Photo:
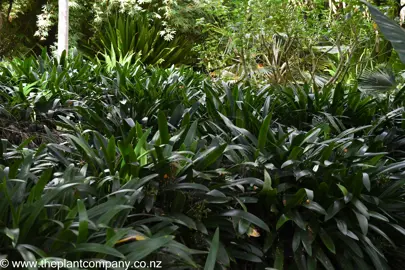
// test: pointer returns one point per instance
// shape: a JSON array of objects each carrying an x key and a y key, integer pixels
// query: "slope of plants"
[
  {"x": 125, "y": 162},
  {"x": 112, "y": 159}
]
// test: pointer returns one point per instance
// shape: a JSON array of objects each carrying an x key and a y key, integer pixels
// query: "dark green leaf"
[
  {"x": 314, "y": 206},
  {"x": 283, "y": 219},
  {"x": 247, "y": 216},
  {"x": 97, "y": 248},
  {"x": 390, "y": 29},
  {"x": 263, "y": 133},
  {"x": 320, "y": 255},
  {"x": 163, "y": 128},
  {"x": 327, "y": 240},
  {"x": 141, "y": 249},
  {"x": 363, "y": 222},
  {"x": 209, "y": 157},
  {"x": 212, "y": 255},
  {"x": 279, "y": 260},
  {"x": 334, "y": 209},
  {"x": 366, "y": 181}
]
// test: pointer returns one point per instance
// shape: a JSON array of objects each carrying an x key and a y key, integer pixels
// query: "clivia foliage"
[
  {"x": 121, "y": 161},
  {"x": 133, "y": 163}
]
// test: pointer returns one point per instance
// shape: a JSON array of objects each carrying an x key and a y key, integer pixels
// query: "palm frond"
[{"x": 377, "y": 81}]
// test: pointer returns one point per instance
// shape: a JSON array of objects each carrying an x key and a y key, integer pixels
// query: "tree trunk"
[
  {"x": 402, "y": 12},
  {"x": 63, "y": 27}
]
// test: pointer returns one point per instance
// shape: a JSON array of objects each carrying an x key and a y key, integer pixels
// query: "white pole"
[{"x": 63, "y": 26}]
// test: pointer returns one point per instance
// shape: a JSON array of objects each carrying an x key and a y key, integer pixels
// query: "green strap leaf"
[
  {"x": 83, "y": 222},
  {"x": 279, "y": 260},
  {"x": 320, "y": 255},
  {"x": 141, "y": 249},
  {"x": 263, "y": 133},
  {"x": 212, "y": 255},
  {"x": 363, "y": 222},
  {"x": 366, "y": 181},
  {"x": 316, "y": 207},
  {"x": 97, "y": 248},
  {"x": 209, "y": 157},
  {"x": 283, "y": 219},
  {"x": 327, "y": 240},
  {"x": 190, "y": 134},
  {"x": 334, "y": 209},
  {"x": 163, "y": 128},
  {"x": 248, "y": 216}
]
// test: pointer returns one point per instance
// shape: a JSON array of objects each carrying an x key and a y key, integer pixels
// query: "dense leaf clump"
[
  {"x": 295, "y": 161},
  {"x": 125, "y": 162}
]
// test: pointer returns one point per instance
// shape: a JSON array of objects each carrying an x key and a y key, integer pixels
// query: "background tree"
[{"x": 63, "y": 27}]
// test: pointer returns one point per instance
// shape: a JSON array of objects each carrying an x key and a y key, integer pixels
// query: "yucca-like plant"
[{"x": 139, "y": 36}]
